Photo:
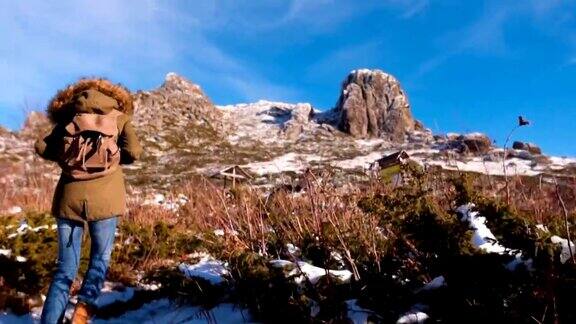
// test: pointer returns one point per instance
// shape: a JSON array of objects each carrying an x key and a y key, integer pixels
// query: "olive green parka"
[{"x": 101, "y": 198}]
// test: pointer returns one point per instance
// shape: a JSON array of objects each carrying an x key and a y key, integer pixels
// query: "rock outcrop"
[
  {"x": 473, "y": 143},
  {"x": 529, "y": 147},
  {"x": 372, "y": 104},
  {"x": 300, "y": 116},
  {"x": 177, "y": 102}
]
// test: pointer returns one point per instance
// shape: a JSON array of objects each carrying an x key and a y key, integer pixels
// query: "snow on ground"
[
  {"x": 362, "y": 161},
  {"x": 565, "y": 255},
  {"x": 415, "y": 315},
  {"x": 171, "y": 204},
  {"x": 559, "y": 163},
  {"x": 514, "y": 166},
  {"x": 303, "y": 271},
  {"x": 258, "y": 120},
  {"x": 435, "y": 283},
  {"x": 158, "y": 311},
  {"x": 357, "y": 314},
  {"x": 207, "y": 268},
  {"x": 24, "y": 227},
  {"x": 112, "y": 293},
  {"x": 284, "y": 163},
  {"x": 368, "y": 143},
  {"x": 163, "y": 311},
  {"x": 484, "y": 240}
]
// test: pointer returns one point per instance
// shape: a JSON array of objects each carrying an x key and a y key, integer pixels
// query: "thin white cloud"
[
  {"x": 46, "y": 44},
  {"x": 487, "y": 35},
  {"x": 311, "y": 17}
]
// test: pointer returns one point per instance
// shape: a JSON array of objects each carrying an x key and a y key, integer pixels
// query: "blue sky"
[{"x": 466, "y": 65}]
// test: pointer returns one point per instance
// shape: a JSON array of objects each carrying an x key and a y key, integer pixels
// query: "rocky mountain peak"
[
  {"x": 178, "y": 101},
  {"x": 36, "y": 123},
  {"x": 176, "y": 83},
  {"x": 373, "y": 104}
]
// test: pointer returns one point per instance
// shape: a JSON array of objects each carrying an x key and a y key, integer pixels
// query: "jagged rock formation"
[{"x": 372, "y": 104}]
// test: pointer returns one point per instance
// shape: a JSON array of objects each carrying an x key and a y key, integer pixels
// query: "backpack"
[{"x": 90, "y": 148}]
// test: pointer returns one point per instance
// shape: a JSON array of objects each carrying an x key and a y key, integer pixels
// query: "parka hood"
[{"x": 62, "y": 107}]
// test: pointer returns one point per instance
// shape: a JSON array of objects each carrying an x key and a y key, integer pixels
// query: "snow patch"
[
  {"x": 112, "y": 293},
  {"x": 362, "y": 161},
  {"x": 302, "y": 271},
  {"x": 415, "y": 315},
  {"x": 292, "y": 249},
  {"x": 171, "y": 204},
  {"x": 164, "y": 311},
  {"x": 435, "y": 283},
  {"x": 207, "y": 268},
  {"x": 288, "y": 162},
  {"x": 357, "y": 314},
  {"x": 511, "y": 167},
  {"x": 484, "y": 240},
  {"x": 565, "y": 253}
]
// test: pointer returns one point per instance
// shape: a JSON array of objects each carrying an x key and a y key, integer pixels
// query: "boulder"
[
  {"x": 477, "y": 143},
  {"x": 530, "y": 147},
  {"x": 372, "y": 104},
  {"x": 474, "y": 143}
]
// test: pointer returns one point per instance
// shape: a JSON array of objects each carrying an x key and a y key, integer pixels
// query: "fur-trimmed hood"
[{"x": 60, "y": 108}]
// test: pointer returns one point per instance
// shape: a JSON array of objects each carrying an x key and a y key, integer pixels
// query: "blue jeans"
[{"x": 69, "y": 250}]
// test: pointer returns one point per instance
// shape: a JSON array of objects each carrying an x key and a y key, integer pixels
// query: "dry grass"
[
  {"x": 377, "y": 229},
  {"x": 29, "y": 185}
]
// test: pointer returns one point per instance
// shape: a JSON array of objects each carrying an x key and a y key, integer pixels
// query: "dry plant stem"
[
  {"x": 566, "y": 224},
  {"x": 346, "y": 250},
  {"x": 504, "y": 162}
]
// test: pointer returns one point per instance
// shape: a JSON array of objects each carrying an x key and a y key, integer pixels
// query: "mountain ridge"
[{"x": 185, "y": 133}]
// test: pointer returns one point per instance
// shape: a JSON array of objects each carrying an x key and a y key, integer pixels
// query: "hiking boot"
[{"x": 82, "y": 314}]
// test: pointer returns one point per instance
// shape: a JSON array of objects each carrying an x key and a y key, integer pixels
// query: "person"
[{"x": 92, "y": 136}]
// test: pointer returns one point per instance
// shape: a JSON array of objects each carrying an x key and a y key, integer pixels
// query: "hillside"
[
  {"x": 185, "y": 133},
  {"x": 463, "y": 230}
]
